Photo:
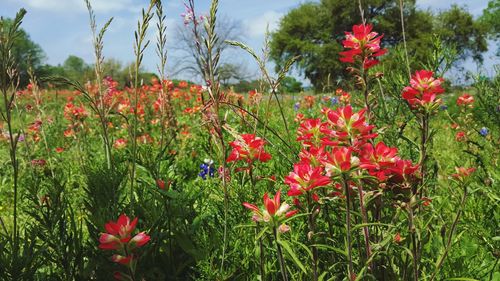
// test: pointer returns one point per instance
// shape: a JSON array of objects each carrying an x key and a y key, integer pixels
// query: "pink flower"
[
  {"x": 249, "y": 148},
  {"x": 463, "y": 173},
  {"x": 465, "y": 100},
  {"x": 349, "y": 126},
  {"x": 274, "y": 210},
  {"x": 363, "y": 45},
  {"x": 423, "y": 90},
  {"x": 340, "y": 160},
  {"x": 304, "y": 178}
]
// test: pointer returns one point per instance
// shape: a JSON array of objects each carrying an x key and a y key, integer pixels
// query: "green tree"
[
  {"x": 490, "y": 17},
  {"x": 76, "y": 69},
  {"x": 26, "y": 52},
  {"x": 315, "y": 32},
  {"x": 291, "y": 85}
]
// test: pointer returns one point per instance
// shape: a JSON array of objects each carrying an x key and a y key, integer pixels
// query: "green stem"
[
  {"x": 280, "y": 256},
  {"x": 450, "y": 236},
  {"x": 350, "y": 268},
  {"x": 312, "y": 227},
  {"x": 364, "y": 218}
]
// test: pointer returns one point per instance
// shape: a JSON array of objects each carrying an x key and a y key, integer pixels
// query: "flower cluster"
[
  {"x": 273, "y": 212},
  {"x": 207, "y": 168},
  {"x": 423, "y": 91},
  {"x": 340, "y": 147},
  {"x": 363, "y": 45},
  {"x": 248, "y": 148},
  {"x": 465, "y": 100},
  {"x": 118, "y": 237}
]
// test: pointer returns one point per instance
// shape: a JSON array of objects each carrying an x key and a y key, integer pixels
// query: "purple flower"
[
  {"x": 484, "y": 131},
  {"x": 207, "y": 168},
  {"x": 296, "y": 106},
  {"x": 333, "y": 101}
]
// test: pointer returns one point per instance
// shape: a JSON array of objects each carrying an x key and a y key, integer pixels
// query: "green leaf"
[{"x": 292, "y": 254}]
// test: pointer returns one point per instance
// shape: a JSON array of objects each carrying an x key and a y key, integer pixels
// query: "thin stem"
[
  {"x": 364, "y": 217},
  {"x": 404, "y": 37},
  {"x": 450, "y": 236},
  {"x": 280, "y": 256},
  {"x": 257, "y": 229},
  {"x": 424, "y": 132},
  {"x": 412, "y": 230},
  {"x": 350, "y": 268},
  {"x": 312, "y": 233}
]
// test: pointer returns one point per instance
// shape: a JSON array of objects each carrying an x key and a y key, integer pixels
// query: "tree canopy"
[
  {"x": 26, "y": 52},
  {"x": 315, "y": 32}
]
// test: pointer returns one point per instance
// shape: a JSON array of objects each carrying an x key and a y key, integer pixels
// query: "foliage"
[
  {"x": 313, "y": 31},
  {"x": 392, "y": 177}
]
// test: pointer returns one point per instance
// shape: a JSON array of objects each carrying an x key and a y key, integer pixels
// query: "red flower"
[
  {"x": 340, "y": 160},
  {"x": 465, "y": 100},
  {"x": 249, "y": 149},
  {"x": 160, "y": 184},
  {"x": 397, "y": 238},
  {"x": 121, "y": 259},
  {"x": 460, "y": 136},
  {"x": 304, "y": 178},
  {"x": 313, "y": 156},
  {"x": 378, "y": 159},
  {"x": 363, "y": 45},
  {"x": 403, "y": 170},
  {"x": 274, "y": 209},
  {"x": 349, "y": 126},
  {"x": 120, "y": 143},
  {"x": 423, "y": 89},
  {"x": 310, "y": 132},
  {"x": 463, "y": 173},
  {"x": 119, "y": 233}
]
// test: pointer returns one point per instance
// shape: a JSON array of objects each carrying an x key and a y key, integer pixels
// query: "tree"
[
  {"x": 490, "y": 17},
  {"x": 315, "y": 32},
  {"x": 458, "y": 28},
  {"x": 189, "y": 61},
  {"x": 76, "y": 69},
  {"x": 291, "y": 85},
  {"x": 26, "y": 52}
]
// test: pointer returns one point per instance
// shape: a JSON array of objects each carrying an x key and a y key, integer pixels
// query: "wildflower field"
[{"x": 393, "y": 173}]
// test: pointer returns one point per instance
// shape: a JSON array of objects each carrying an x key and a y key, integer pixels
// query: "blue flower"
[
  {"x": 207, "y": 168},
  {"x": 296, "y": 106},
  {"x": 333, "y": 101},
  {"x": 484, "y": 131},
  {"x": 443, "y": 107}
]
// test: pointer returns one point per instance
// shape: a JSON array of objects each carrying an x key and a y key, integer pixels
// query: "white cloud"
[
  {"x": 256, "y": 27},
  {"x": 69, "y": 6}
]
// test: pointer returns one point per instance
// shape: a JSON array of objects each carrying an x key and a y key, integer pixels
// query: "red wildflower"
[
  {"x": 423, "y": 89},
  {"x": 249, "y": 148},
  {"x": 160, "y": 184},
  {"x": 460, "y": 136},
  {"x": 304, "y": 178},
  {"x": 403, "y": 170},
  {"x": 378, "y": 159},
  {"x": 463, "y": 173},
  {"x": 310, "y": 132},
  {"x": 274, "y": 209},
  {"x": 465, "y": 100},
  {"x": 120, "y": 143},
  {"x": 119, "y": 233},
  {"x": 363, "y": 45},
  {"x": 121, "y": 259},
  {"x": 340, "y": 160},
  {"x": 349, "y": 126},
  {"x": 313, "y": 156}
]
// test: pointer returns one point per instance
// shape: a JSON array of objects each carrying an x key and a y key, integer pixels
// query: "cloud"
[
  {"x": 256, "y": 27},
  {"x": 69, "y": 6}
]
